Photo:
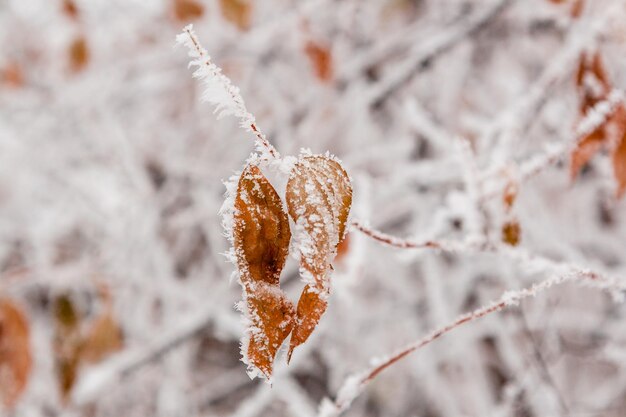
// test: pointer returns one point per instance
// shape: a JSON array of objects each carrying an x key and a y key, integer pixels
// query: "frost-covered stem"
[
  {"x": 392, "y": 240},
  {"x": 354, "y": 385},
  {"x": 531, "y": 261},
  {"x": 221, "y": 92}
]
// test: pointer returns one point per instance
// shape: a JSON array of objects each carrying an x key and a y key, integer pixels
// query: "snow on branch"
[
  {"x": 219, "y": 91},
  {"x": 354, "y": 385}
]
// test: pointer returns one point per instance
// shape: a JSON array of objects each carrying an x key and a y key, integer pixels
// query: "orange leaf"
[
  {"x": 237, "y": 12},
  {"x": 15, "y": 353},
  {"x": 586, "y": 149},
  {"x": 511, "y": 233},
  {"x": 321, "y": 60},
  {"x": 186, "y": 10},
  {"x": 70, "y": 9},
  {"x": 67, "y": 344},
  {"x": 319, "y": 197},
  {"x": 261, "y": 238},
  {"x": 577, "y": 8},
  {"x": 104, "y": 337},
  {"x": 78, "y": 54},
  {"x": 12, "y": 75}
]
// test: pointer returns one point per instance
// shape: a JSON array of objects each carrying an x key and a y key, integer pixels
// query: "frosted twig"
[
  {"x": 533, "y": 262},
  {"x": 220, "y": 91},
  {"x": 355, "y": 384}
]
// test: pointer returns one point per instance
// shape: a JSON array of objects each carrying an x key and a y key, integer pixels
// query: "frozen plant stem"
[
  {"x": 220, "y": 91},
  {"x": 354, "y": 385}
]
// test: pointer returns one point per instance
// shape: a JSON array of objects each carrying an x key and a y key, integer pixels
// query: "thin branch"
[
  {"x": 220, "y": 91},
  {"x": 354, "y": 385}
]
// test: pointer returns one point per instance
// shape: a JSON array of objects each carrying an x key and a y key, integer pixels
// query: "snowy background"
[{"x": 111, "y": 174}]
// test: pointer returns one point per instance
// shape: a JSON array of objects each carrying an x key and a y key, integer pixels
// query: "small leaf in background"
[
  {"x": 592, "y": 80},
  {"x": 585, "y": 150},
  {"x": 577, "y": 8},
  {"x": 78, "y": 54},
  {"x": 70, "y": 9},
  {"x": 67, "y": 343},
  {"x": 319, "y": 197},
  {"x": 12, "y": 75},
  {"x": 511, "y": 232},
  {"x": 261, "y": 238},
  {"x": 237, "y": 12},
  {"x": 187, "y": 10},
  {"x": 15, "y": 353},
  {"x": 510, "y": 194},
  {"x": 321, "y": 60},
  {"x": 103, "y": 338}
]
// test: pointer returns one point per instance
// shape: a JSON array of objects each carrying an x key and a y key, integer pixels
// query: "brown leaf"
[
  {"x": 591, "y": 67},
  {"x": 510, "y": 194},
  {"x": 12, "y": 75},
  {"x": 78, "y": 54},
  {"x": 70, "y": 9},
  {"x": 261, "y": 238},
  {"x": 15, "y": 353},
  {"x": 321, "y": 59},
  {"x": 237, "y": 12},
  {"x": 511, "y": 233},
  {"x": 186, "y": 10},
  {"x": 103, "y": 338},
  {"x": 67, "y": 343},
  {"x": 585, "y": 150},
  {"x": 577, "y": 8},
  {"x": 319, "y": 197}
]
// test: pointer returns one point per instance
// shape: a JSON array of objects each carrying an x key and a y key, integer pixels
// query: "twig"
[
  {"x": 354, "y": 385},
  {"x": 220, "y": 91}
]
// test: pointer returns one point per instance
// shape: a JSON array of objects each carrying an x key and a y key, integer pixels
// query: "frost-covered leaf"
[
  {"x": 15, "y": 353},
  {"x": 261, "y": 238},
  {"x": 319, "y": 196}
]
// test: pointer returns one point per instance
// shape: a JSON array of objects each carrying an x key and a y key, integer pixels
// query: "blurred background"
[{"x": 116, "y": 299}]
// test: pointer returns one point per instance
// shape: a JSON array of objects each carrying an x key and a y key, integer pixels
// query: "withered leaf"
[
  {"x": 78, "y": 54},
  {"x": 261, "y": 238},
  {"x": 511, "y": 232},
  {"x": 585, "y": 150},
  {"x": 67, "y": 343},
  {"x": 70, "y": 9},
  {"x": 15, "y": 352},
  {"x": 319, "y": 197},
  {"x": 186, "y": 10},
  {"x": 238, "y": 12},
  {"x": 321, "y": 59},
  {"x": 103, "y": 338}
]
